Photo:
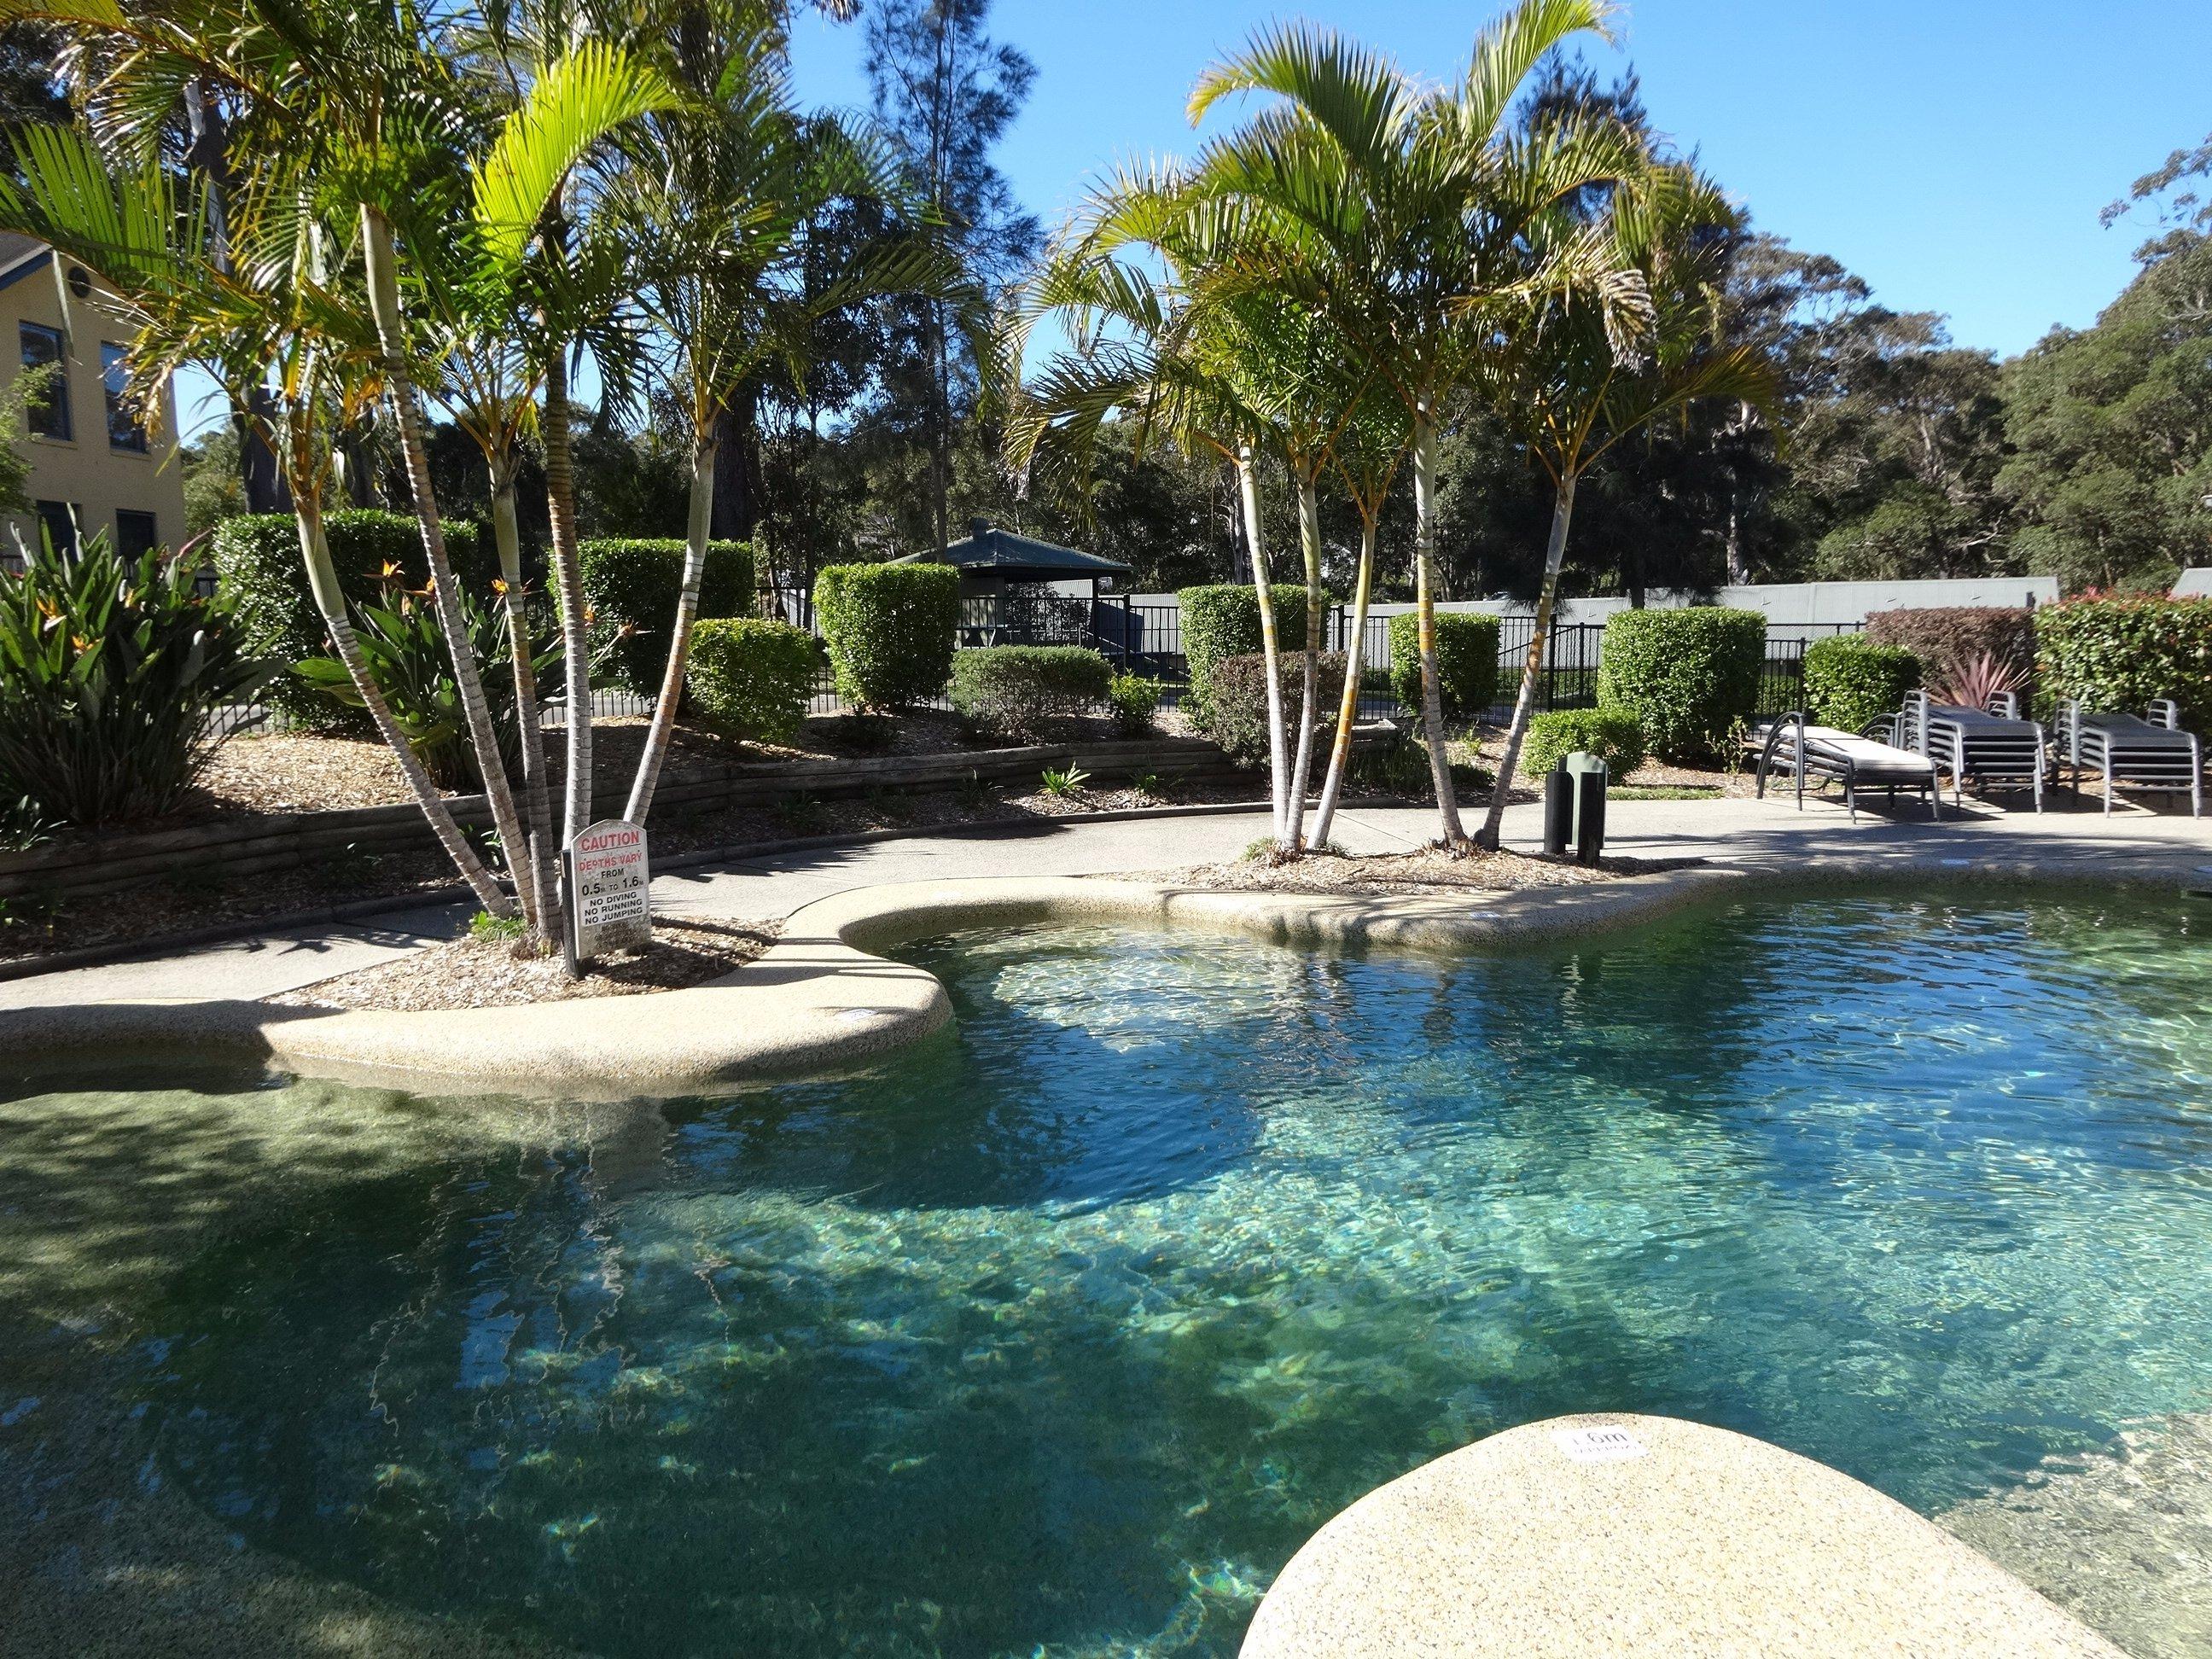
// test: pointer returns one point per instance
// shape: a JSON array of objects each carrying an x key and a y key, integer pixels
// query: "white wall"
[
  {"x": 2195, "y": 583},
  {"x": 1784, "y": 603}
]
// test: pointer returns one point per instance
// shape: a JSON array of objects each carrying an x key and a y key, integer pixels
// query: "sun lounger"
[
  {"x": 2152, "y": 754},
  {"x": 2000, "y": 750},
  {"x": 1825, "y": 754}
]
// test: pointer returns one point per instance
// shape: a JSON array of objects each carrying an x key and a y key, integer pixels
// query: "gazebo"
[{"x": 1009, "y": 593}]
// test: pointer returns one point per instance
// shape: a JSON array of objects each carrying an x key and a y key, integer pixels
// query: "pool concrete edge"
[
  {"x": 1619, "y": 1533},
  {"x": 822, "y": 998}
]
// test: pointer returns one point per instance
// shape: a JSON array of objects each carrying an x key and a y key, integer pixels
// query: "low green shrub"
[
  {"x": 630, "y": 588},
  {"x": 1613, "y": 735},
  {"x": 1850, "y": 681},
  {"x": 405, "y": 646},
  {"x": 749, "y": 679},
  {"x": 111, "y": 670},
  {"x": 1020, "y": 690},
  {"x": 1134, "y": 700},
  {"x": 891, "y": 629},
  {"x": 261, "y": 576},
  {"x": 1224, "y": 621},
  {"x": 2120, "y": 653},
  {"x": 1239, "y": 724},
  {"x": 1947, "y": 638},
  {"x": 1687, "y": 675},
  {"x": 1466, "y": 663}
]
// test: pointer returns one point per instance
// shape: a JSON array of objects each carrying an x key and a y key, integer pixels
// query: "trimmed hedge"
[
  {"x": 1946, "y": 638},
  {"x": 1240, "y": 708},
  {"x": 1020, "y": 689},
  {"x": 260, "y": 574},
  {"x": 891, "y": 629},
  {"x": 751, "y": 679},
  {"x": 1613, "y": 735},
  {"x": 630, "y": 587},
  {"x": 2121, "y": 654},
  {"x": 1687, "y": 675},
  {"x": 1467, "y": 662},
  {"x": 1850, "y": 681},
  {"x": 1222, "y": 621}
]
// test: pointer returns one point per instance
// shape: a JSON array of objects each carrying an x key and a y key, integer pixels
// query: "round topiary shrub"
[
  {"x": 1688, "y": 675},
  {"x": 1020, "y": 689},
  {"x": 630, "y": 587},
  {"x": 1240, "y": 708},
  {"x": 262, "y": 579},
  {"x": 891, "y": 629},
  {"x": 2119, "y": 655},
  {"x": 749, "y": 679},
  {"x": 1850, "y": 681},
  {"x": 1613, "y": 735},
  {"x": 1466, "y": 663},
  {"x": 1224, "y": 621}
]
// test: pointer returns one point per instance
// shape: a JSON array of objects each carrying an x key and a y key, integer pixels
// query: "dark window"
[
  {"x": 136, "y": 533},
  {"x": 124, "y": 431},
  {"x": 49, "y": 413},
  {"x": 58, "y": 520}
]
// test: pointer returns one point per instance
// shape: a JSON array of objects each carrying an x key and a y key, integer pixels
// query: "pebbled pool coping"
[
  {"x": 821, "y": 999},
  {"x": 1618, "y": 1533}
]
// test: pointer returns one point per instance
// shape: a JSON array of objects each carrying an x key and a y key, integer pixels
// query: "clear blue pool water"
[{"x": 1057, "y": 1334}]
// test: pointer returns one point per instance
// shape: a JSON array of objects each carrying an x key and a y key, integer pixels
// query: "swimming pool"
[{"x": 1058, "y": 1331}]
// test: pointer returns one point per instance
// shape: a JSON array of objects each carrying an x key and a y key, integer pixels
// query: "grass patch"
[{"x": 1663, "y": 792}]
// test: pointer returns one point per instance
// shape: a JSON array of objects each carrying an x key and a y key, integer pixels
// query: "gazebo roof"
[{"x": 987, "y": 552}]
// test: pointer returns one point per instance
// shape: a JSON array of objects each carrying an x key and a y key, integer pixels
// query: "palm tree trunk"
[
  {"x": 1524, "y": 703},
  {"x": 697, "y": 529},
  {"x": 1248, "y": 482},
  {"x": 1348, "y": 712},
  {"x": 568, "y": 587},
  {"x": 1424, "y": 552},
  {"x": 323, "y": 582},
  {"x": 1302, "y": 767},
  {"x": 381, "y": 260},
  {"x": 537, "y": 787}
]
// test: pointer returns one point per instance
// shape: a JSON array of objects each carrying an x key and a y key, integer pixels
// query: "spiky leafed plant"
[
  {"x": 1410, "y": 218},
  {"x": 1576, "y": 389}
]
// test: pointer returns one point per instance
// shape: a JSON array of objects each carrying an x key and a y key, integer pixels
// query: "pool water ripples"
[{"x": 1057, "y": 1333}]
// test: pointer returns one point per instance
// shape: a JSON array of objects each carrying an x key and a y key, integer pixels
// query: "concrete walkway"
[{"x": 773, "y": 886}]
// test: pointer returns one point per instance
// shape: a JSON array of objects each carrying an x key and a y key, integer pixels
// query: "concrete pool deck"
[{"x": 1757, "y": 834}]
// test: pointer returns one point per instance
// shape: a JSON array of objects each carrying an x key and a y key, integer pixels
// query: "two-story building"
[{"x": 95, "y": 466}]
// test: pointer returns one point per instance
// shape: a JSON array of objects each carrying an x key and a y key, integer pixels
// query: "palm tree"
[
  {"x": 1408, "y": 218},
  {"x": 268, "y": 322},
  {"x": 721, "y": 196},
  {"x": 1578, "y": 390},
  {"x": 1367, "y": 457}
]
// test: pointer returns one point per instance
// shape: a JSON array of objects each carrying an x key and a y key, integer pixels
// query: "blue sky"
[{"x": 1954, "y": 153}]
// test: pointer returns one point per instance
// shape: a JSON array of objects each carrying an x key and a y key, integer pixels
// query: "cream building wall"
[{"x": 103, "y": 480}]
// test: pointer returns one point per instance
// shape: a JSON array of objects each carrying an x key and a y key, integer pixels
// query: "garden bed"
[
  {"x": 1425, "y": 870},
  {"x": 485, "y": 970}
]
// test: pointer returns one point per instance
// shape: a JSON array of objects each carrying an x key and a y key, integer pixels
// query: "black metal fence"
[{"x": 1147, "y": 640}]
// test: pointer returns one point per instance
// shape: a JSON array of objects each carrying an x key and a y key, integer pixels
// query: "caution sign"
[{"x": 611, "y": 904}]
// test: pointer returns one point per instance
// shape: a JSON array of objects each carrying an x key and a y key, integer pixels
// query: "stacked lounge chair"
[
  {"x": 1991, "y": 749},
  {"x": 2152, "y": 753},
  {"x": 1825, "y": 754}
]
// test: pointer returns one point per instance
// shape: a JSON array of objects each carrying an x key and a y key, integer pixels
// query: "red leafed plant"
[{"x": 1976, "y": 683}]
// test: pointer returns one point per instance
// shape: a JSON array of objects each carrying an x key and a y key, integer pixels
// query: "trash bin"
[{"x": 1586, "y": 775}]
